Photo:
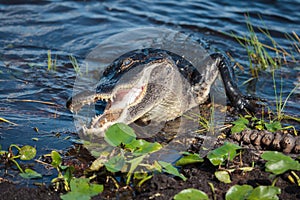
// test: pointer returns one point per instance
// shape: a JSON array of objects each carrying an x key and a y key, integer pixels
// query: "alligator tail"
[
  {"x": 286, "y": 143},
  {"x": 235, "y": 96}
]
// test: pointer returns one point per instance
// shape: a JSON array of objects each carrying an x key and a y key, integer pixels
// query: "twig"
[{"x": 34, "y": 101}]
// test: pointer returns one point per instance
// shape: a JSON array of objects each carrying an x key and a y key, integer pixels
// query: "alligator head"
[{"x": 140, "y": 85}]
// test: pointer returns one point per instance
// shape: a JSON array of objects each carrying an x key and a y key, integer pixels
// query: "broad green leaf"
[
  {"x": 27, "y": 152},
  {"x": 56, "y": 159},
  {"x": 119, "y": 133},
  {"x": 278, "y": 163},
  {"x": 239, "y": 192},
  {"x": 75, "y": 196},
  {"x": 274, "y": 126},
  {"x": 189, "y": 159},
  {"x": 238, "y": 128},
  {"x": 81, "y": 188},
  {"x": 115, "y": 164},
  {"x": 219, "y": 155},
  {"x": 223, "y": 176},
  {"x": 191, "y": 194},
  {"x": 241, "y": 120},
  {"x": 239, "y": 125},
  {"x": 169, "y": 168},
  {"x": 141, "y": 147},
  {"x": 30, "y": 174},
  {"x": 265, "y": 193}
]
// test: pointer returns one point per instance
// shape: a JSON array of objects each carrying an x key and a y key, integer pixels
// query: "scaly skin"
[{"x": 154, "y": 85}]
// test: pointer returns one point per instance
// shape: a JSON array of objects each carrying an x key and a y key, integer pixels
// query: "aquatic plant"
[
  {"x": 192, "y": 194},
  {"x": 51, "y": 62},
  {"x": 280, "y": 103},
  {"x": 24, "y": 153},
  {"x": 75, "y": 65},
  {"x": 269, "y": 57},
  {"x": 82, "y": 189},
  {"x": 252, "y": 122},
  {"x": 129, "y": 154},
  {"x": 261, "y": 55},
  {"x": 65, "y": 173},
  {"x": 278, "y": 163},
  {"x": 226, "y": 152},
  {"x": 247, "y": 192}
]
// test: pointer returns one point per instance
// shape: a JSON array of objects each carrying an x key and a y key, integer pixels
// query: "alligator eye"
[{"x": 126, "y": 64}]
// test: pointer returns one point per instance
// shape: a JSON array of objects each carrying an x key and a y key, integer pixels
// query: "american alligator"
[{"x": 161, "y": 85}]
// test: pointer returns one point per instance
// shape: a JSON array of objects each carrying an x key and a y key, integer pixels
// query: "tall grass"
[
  {"x": 263, "y": 56},
  {"x": 269, "y": 57},
  {"x": 51, "y": 62},
  {"x": 75, "y": 65}
]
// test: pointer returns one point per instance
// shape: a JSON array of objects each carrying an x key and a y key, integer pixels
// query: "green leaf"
[
  {"x": 238, "y": 128},
  {"x": 156, "y": 166},
  {"x": 274, "y": 126},
  {"x": 98, "y": 163},
  {"x": 241, "y": 121},
  {"x": 239, "y": 125},
  {"x": 239, "y": 192},
  {"x": 191, "y": 194},
  {"x": 223, "y": 176},
  {"x": 278, "y": 163},
  {"x": 119, "y": 133},
  {"x": 27, "y": 152},
  {"x": 81, "y": 188},
  {"x": 69, "y": 173},
  {"x": 265, "y": 193},
  {"x": 56, "y": 159},
  {"x": 189, "y": 159},
  {"x": 30, "y": 174},
  {"x": 219, "y": 155},
  {"x": 115, "y": 164},
  {"x": 141, "y": 147},
  {"x": 169, "y": 168},
  {"x": 134, "y": 164},
  {"x": 146, "y": 178}
]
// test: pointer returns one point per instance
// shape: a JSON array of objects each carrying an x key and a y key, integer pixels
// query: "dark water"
[{"x": 29, "y": 30}]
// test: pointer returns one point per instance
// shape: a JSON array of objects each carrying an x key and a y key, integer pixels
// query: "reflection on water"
[{"x": 31, "y": 96}]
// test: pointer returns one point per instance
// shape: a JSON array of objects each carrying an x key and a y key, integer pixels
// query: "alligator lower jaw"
[{"x": 96, "y": 131}]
